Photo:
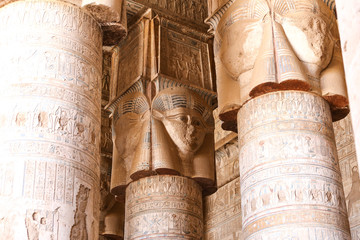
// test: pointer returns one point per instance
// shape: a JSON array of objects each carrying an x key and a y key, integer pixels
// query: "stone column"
[
  {"x": 164, "y": 207},
  {"x": 349, "y": 20},
  {"x": 51, "y": 57},
  {"x": 281, "y": 84},
  {"x": 289, "y": 173},
  {"x": 161, "y": 99}
]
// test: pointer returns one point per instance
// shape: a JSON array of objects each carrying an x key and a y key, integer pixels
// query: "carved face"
[
  {"x": 306, "y": 25},
  {"x": 133, "y": 111},
  {"x": 185, "y": 128},
  {"x": 182, "y": 112}
]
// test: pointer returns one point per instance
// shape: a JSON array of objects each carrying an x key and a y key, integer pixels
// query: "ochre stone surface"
[
  {"x": 161, "y": 101},
  {"x": 222, "y": 213},
  {"x": 227, "y": 163},
  {"x": 264, "y": 46},
  {"x": 50, "y": 126},
  {"x": 289, "y": 173},
  {"x": 172, "y": 135},
  {"x": 111, "y": 15},
  {"x": 349, "y": 172},
  {"x": 349, "y": 20},
  {"x": 164, "y": 207}
]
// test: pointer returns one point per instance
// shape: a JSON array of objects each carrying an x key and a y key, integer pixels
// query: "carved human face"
[
  {"x": 134, "y": 111},
  {"x": 307, "y": 25},
  {"x": 185, "y": 128}
]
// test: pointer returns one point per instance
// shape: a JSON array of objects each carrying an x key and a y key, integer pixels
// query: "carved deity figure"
[
  {"x": 182, "y": 132},
  {"x": 270, "y": 45},
  {"x": 354, "y": 194},
  {"x": 173, "y": 136},
  {"x": 131, "y": 138},
  {"x": 79, "y": 230}
]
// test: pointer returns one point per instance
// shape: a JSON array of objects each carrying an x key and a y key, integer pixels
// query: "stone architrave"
[
  {"x": 50, "y": 84},
  {"x": 164, "y": 207},
  {"x": 289, "y": 172},
  {"x": 264, "y": 46}
]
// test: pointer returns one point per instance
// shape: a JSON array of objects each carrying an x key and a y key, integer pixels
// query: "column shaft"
[
  {"x": 290, "y": 179},
  {"x": 163, "y": 207},
  {"x": 50, "y": 125}
]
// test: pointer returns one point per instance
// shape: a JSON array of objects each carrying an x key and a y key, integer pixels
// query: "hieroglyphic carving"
[
  {"x": 41, "y": 224},
  {"x": 349, "y": 172},
  {"x": 227, "y": 162},
  {"x": 194, "y": 11},
  {"x": 289, "y": 171},
  {"x": 158, "y": 46},
  {"x": 222, "y": 213},
  {"x": 184, "y": 57},
  {"x": 50, "y": 128},
  {"x": 258, "y": 50},
  {"x": 130, "y": 58},
  {"x": 164, "y": 207}
]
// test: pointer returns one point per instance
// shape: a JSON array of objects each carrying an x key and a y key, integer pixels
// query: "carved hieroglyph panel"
[
  {"x": 222, "y": 213},
  {"x": 164, "y": 207},
  {"x": 130, "y": 58},
  {"x": 227, "y": 162},
  {"x": 349, "y": 172},
  {"x": 193, "y": 11},
  {"x": 50, "y": 125},
  {"x": 183, "y": 57},
  {"x": 289, "y": 173}
]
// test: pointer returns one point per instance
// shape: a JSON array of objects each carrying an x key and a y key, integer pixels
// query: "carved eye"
[{"x": 183, "y": 119}]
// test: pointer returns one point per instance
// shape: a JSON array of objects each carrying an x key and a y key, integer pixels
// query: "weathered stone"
[
  {"x": 262, "y": 47},
  {"x": 164, "y": 207},
  {"x": 111, "y": 15},
  {"x": 349, "y": 172},
  {"x": 50, "y": 127},
  {"x": 222, "y": 213},
  {"x": 289, "y": 172}
]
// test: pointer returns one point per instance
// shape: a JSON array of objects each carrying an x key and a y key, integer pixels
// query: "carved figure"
[
  {"x": 278, "y": 45},
  {"x": 79, "y": 230},
  {"x": 172, "y": 137},
  {"x": 131, "y": 156},
  {"x": 354, "y": 194},
  {"x": 182, "y": 121}
]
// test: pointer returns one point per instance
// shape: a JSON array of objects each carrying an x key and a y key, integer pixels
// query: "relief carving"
[
  {"x": 79, "y": 230},
  {"x": 349, "y": 172},
  {"x": 258, "y": 50},
  {"x": 289, "y": 173},
  {"x": 170, "y": 135},
  {"x": 164, "y": 207},
  {"x": 54, "y": 82}
]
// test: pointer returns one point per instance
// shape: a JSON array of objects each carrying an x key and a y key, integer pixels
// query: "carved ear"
[{"x": 157, "y": 114}]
